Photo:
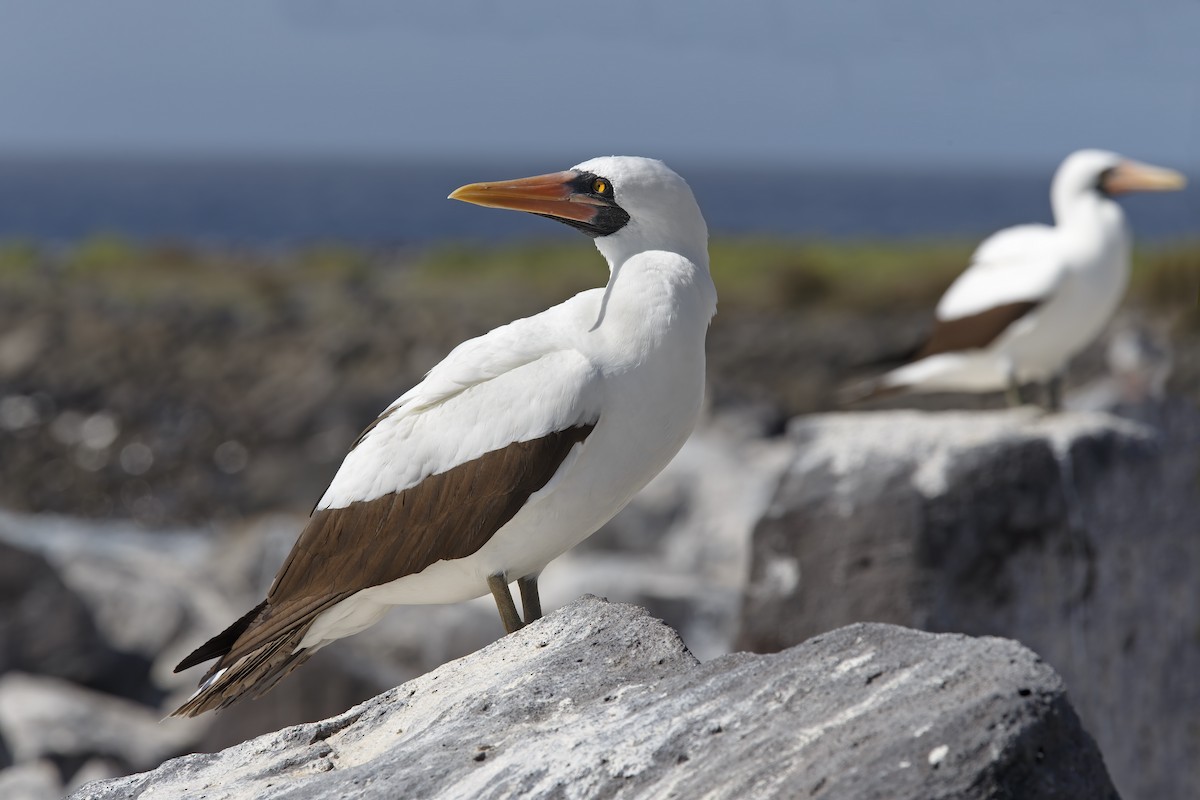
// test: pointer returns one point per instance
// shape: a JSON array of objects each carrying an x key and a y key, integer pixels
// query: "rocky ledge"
[{"x": 602, "y": 700}]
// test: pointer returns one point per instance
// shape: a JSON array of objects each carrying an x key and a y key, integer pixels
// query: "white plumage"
[
  {"x": 1035, "y": 295},
  {"x": 1010, "y": 266}
]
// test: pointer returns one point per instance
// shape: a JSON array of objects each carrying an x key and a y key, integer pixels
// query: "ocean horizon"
[{"x": 267, "y": 202}]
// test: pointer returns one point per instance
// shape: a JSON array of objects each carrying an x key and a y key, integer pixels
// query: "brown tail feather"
[
  {"x": 222, "y": 643},
  {"x": 254, "y": 674}
]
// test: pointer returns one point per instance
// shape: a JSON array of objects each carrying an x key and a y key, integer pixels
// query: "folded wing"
[
  {"x": 432, "y": 479},
  {"x": 1012, "y": 273}
]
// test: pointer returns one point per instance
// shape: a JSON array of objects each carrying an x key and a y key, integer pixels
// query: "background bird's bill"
[
  {"x": 1134, "y": 176},
  {"x": 554, "y": 194}
]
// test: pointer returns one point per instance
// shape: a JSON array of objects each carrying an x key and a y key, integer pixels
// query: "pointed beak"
[
  {"x": 1133, "y": 176},
  {"x": 553, "y": 195}
]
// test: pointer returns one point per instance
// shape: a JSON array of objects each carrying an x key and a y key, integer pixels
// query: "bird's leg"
[
  {"x": 504, "y": 603},
  {"x": 531, "y": 603},
  {"x": 1012, "y": 392},
  {"x": 1054, "y": 392}
]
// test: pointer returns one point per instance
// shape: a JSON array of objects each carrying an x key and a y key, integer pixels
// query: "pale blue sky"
[{"x": 934, "y": 82}]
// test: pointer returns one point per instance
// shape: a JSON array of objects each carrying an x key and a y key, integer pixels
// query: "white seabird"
[
  {"x": 516, "y": 447},
  {"x": 1034, "y": 296}
]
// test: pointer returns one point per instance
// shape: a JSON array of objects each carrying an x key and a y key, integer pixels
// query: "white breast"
[
  {"x": 644, "y": 337},
  {"x": 1095, "y": 272}
]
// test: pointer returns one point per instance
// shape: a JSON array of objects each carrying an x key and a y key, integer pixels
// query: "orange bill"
[
  {"x": 555, "y": 195},
  {"x": 1133, "y": 176}
]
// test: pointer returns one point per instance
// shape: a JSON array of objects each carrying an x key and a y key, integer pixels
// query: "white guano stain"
[
  {"x": 885, "y": 688},
  {"x": 851, "y": 663}
]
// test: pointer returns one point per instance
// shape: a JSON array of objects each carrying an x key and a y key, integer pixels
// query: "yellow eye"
[{"x": 599, "y": 186}]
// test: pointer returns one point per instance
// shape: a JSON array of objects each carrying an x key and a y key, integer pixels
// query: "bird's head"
[
  {"x": 627, "y": 204},
  {"x": 1111, "y": 174}
]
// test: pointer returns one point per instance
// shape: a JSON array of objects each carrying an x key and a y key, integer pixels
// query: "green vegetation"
[
  {"x": 547, "y": 268},
  {"x": 751, "y": 273},
  {"x": 775, "y": 273},
  {"x": 104, "y": 255},
  {"x": 121, "y": 270},
  {"x": 333, "y": 261},
  {"x": 1168, "y": 278},
  {"x": 19, "y": 259}
]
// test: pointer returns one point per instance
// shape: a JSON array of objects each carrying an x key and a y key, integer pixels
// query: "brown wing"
[
  {"x": 446, "y": 516},
  {"x": 973, "y": 332},
  {"x": 342, "y": 551}
]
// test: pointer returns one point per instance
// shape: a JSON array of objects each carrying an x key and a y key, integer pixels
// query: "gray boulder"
[
  {"x": 45, "y": 626},
  {"x": 601, "y": 700},
  {"x": 138, "y": 587},
  {"x": 44, "y": 718},
  {"x": 113, "y": 607},
  {"x": 34, "y": 781},
  {"x": 1075, "y": 534}
]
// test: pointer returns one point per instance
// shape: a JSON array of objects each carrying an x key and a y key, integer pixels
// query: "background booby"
[{"x": 1034, "y": 295}]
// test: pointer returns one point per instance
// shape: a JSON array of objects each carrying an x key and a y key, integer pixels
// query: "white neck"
[
  {"x": 1073, "y": 208},
  {"x": 689, "y": 240}
]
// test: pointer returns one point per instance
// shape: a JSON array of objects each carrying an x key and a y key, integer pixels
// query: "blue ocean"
[{"x": 270, "y": 203}]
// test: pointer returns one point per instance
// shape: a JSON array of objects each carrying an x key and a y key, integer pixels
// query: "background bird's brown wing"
[
  {"x": 974, "y": 331},
  {"x": 367, "y": 543}
]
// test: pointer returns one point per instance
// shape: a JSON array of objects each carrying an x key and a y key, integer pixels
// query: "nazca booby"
[
  {"x": 516, "y": 447},
  {"x": 1034, "y": 296}
]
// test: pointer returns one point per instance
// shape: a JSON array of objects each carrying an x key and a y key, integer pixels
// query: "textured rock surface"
[
  {"x": 1075, "y": 534},
  {"x": 601, "y": 700}
]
